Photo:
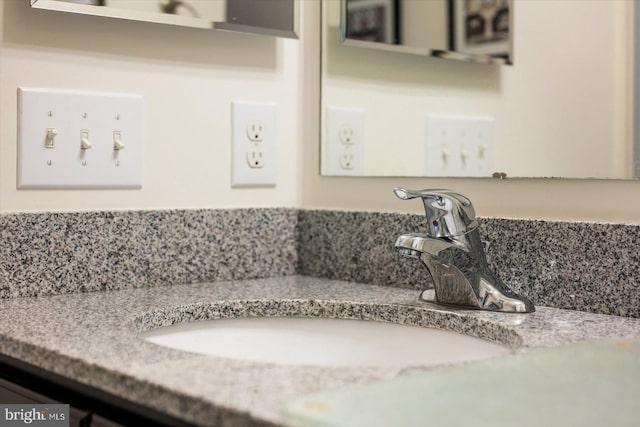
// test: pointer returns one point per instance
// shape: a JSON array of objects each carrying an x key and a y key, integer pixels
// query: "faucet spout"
[{"x": 457, "y": 262}]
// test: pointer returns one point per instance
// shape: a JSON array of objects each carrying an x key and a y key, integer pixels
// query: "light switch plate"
[
  {"x": 459, "y": 145},
  {"x": 52, "y": 125}
]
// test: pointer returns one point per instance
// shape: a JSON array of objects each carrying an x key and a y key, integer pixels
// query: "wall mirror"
[
  {"x": 563, "y": 109},
  {"x": 270, "y": 17}
]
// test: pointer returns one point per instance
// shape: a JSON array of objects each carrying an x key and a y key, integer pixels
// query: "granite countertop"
[{"x": 93, "y": 338}]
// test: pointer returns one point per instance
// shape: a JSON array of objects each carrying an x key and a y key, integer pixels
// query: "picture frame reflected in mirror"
[
  {"x": 480, "y": 26},
  {"x": 455, "y": 29}
]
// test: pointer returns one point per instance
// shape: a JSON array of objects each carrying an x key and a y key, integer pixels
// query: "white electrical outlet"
[
  {"x": 255, "y": 130},
  {"x": 253, "y": 144},
  {"x": 459, "y": 145},
  {"x": 345, "y": 137},
  {"x": 347, "y": 159},
  {"x": 255, "y": 158},
  {"x": 346, "y": 134},
  {"x": 72, "y": 139}
]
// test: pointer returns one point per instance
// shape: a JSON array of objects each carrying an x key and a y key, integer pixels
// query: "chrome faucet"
[{"x": 454, "y": 255}]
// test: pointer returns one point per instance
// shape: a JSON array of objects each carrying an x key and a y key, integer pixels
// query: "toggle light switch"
[
  {"x": 445, "y": 154},
  {"x": 117, "y": 140},
  {"x": 84, "y": 139},
  {"x": 464, "y": 155},
  {"x": 50, "y": 139}
]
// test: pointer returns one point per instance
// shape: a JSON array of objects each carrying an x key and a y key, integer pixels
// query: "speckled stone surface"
[
  {"x": 592, "y": 267},
  {"x": 583, "y": 266},
  {"x": 54, "y": 253},
  {"x": 93, "y": 338}
]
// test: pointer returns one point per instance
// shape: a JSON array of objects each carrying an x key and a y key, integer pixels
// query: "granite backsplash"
[
  {"x": 575, "y": 265},
  {"x": 584, "y": 266},
  {"x": 53, "y": 253}
]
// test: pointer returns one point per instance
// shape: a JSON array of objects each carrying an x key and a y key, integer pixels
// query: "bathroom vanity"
[{"x": 87, "y": 348}]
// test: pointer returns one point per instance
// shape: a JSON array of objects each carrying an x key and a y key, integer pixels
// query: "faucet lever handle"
[{"x": 448, "y": 213}]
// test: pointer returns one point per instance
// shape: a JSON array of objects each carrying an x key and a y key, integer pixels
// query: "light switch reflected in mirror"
[{"x": 563, "y": 109}]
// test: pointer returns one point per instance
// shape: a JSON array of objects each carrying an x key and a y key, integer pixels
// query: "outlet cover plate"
[
  {"x": 244, "y": 148},
  {"x": 345, "y": 137},
  {"x": 72, "y": 113}
]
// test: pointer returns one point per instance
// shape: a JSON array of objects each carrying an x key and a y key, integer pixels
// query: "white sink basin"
[{"x": 324, "y": 342}]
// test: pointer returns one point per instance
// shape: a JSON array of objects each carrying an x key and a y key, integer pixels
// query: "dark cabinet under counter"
[{"x": 22, "y": 383}]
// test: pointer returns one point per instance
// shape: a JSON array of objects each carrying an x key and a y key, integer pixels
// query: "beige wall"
[
  {"x": 188, "y": 78},
  {"x": 415, "y": 32},
  {"x": 603, "y": 200},
  {"x": 187, "y": 95}
]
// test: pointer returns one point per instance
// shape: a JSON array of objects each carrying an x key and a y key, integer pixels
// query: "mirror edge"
[
  {"x": 635, "y": 107},
  {"x": 291, "y": 33},
  {"x": 251, "y": 29}
]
